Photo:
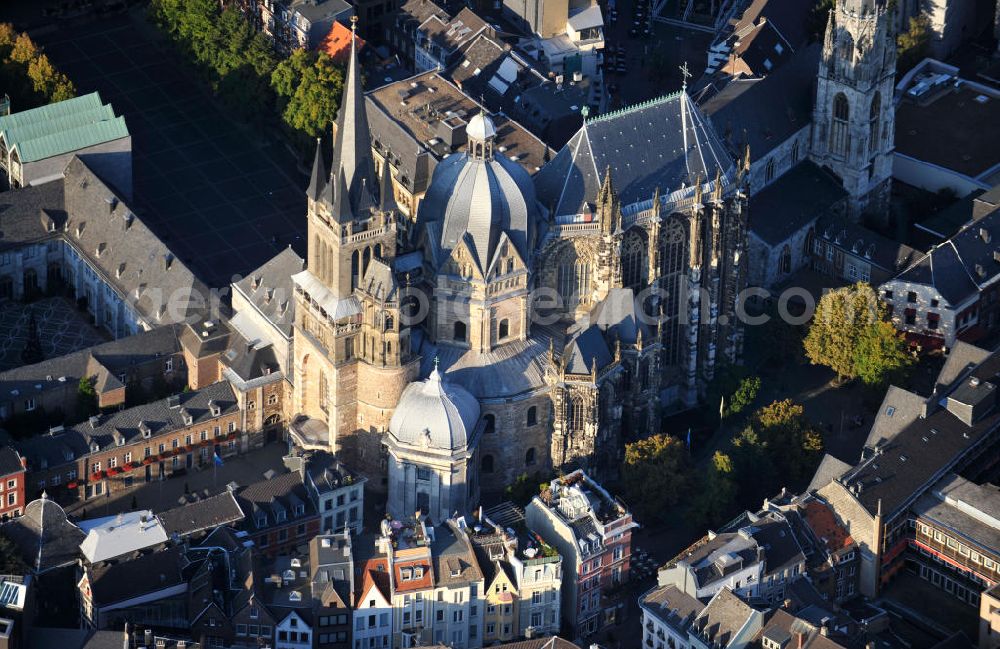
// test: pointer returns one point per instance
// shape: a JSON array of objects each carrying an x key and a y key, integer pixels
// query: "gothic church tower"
[
  {"x": 853, "y": 118},
  {"x": 352, "y": 351}
]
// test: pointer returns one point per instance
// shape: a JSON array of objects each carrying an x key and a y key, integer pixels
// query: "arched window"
[
  {"x": 30, "y": 281},
  {"x": 532, "y": 415},
  {"x": 674, "y": 260},
  {"x": 487, "y": 464},
  {"x": 795, "y": 152},
  {"x": 633, "y": 262},
  {"x": 572, "y": 280},
  {"x": 769, "y": 171},
  {"x": 504, "y": 329},
  {"x": 378, "y": 251},
  {"x": 355, "y": 268},
  {"x": 491, "y": 423},
  {"x": 847, "y": 49},
  {"x": 365, "y": 260},
  {"x": 529, "y": 457},
  {"x": 840, "y": 140},
  {"x": 574, "y": 414},
  {"x": 389, "y": 322},
  {"x": 785, "y": 263},
  {"x": 460, "y": 331},
  {"x": 873, "y": 122},
  {"x": 566, "y": 283},
  {"x": 324, "y": 393}
]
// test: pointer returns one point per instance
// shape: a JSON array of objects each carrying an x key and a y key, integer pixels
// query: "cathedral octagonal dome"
[
  {"x": 479, "y": 195},
  {"x": 435, "y": 414}
]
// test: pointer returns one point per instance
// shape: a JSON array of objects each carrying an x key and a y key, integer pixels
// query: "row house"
[
  {"x": 280, "y": 514},
  {"x": 523, "y": 570},
  {"x": 295, "y": 24},
  {"x": 373, "y": 610},
  {"x": 12, "y": 472},
  {"x": 149, "y": 442},
  {"x": 951, "y": 293},
  {"x": 672, "y": 619},
  {"x": 338, "y": 492},
  {"x": 593, "y": 533},
  {"x": 331, "y": 562},
  {"x": 755, "y": 556}
]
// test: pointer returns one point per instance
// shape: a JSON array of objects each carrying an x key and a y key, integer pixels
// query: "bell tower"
[{"x": 853, "y": 118}]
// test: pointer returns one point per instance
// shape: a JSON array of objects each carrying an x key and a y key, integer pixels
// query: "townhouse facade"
[
  {"x": 593, "y": 533},
  {"x": 12, "y": 484}
]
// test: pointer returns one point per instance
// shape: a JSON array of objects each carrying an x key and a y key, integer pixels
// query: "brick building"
[
  {"x": 593, "y": 532},
  {"x": 140, "y": 444},
  {"x": 12, "y": 473},
  {"x": 280, "y": 514}
]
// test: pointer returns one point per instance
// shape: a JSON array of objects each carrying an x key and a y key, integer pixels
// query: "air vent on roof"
[
  {"x": 121, "y": 270},
  {"x": 112, "y": 202},
  {"x": 980, "y": 270},
  {"x": 127, "y": 219},
  {"x": 168, "y": 259},
  {"x": 101, "y": 247},
  {"x": 984, "y": 234}
]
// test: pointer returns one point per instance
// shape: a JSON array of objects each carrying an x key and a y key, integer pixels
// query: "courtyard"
[
  {"x": 62, "y": 329},
  {"x": 223, "y": 198}
]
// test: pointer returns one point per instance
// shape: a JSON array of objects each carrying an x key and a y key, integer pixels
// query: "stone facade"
[{"x": 853, "y": 118}]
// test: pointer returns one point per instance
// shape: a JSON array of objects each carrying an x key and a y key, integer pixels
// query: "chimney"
[
  {"x": 800, "y": 639},
  {"x": 147, "y": 638}
]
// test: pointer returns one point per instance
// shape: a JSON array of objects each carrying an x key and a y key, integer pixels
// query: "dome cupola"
[{"x": 435, "y": 414}]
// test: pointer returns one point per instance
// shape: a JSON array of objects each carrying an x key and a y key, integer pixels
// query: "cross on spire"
[{"x": 685, "y": 75}]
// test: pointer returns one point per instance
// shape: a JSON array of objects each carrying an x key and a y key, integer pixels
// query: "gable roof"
[
  {"x": 662, "y": 144},
  {"x": 723, "y": 617},
  {"x": 269, "y": 289},
  {"x": 899, "y": 409},
  {"x": 204, "y": 514}
]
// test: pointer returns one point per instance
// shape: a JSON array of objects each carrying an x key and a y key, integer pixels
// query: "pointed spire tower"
[
  {"x": 352, "y": 157},
  {"x": 317, "y": 179}
]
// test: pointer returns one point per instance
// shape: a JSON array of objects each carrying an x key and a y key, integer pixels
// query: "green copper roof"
[
  {"x": 51, "y": 111},
  {"x": 73, "y": 139},
  {"x": 62, "y": 127}
]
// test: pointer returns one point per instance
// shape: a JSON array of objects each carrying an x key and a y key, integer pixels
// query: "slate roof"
[
  {"x": 672, "y": 606},
  {"x": 586, "y": 348},
  {"x": 113, "y": 358},
  {"x": 723, "y": 617},
  {"x": 882, "y": 252},
  {"x": 453, "y": 558},
  {"x": 793, "y": 201},
  {"x": 278, "y": 494},
  {"x": 44, "y": 536},
  {"x": 10, "y": 461},
  {"x": 962, "y": 358},
  {"x": 269, "y": 289},
  {"x": 921, "y": 454},
  {"x": 962, "y": 265},
  {"x": 451, "y": 35},
  {"x": 899, "y": 409},
  {"x": 764, "y": 113},
  {"x": 54, "y": 448},
  {"x": 116, "y": 582},
  {"x": 647, "y": 146},
  {"x": 972, "y": 511},
  {"x": 204, "y": 514},
  {"x": 783, "y": 628},
  {"x": 829, "y": 469}
]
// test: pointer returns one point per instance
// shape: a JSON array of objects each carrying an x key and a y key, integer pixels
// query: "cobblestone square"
[{"x": 61, "y": 328}]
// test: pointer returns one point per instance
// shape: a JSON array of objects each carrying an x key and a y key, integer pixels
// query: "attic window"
[
  {"x": 145, "y": 430},
  {"x": 80, "y": 227},
  {"x": 295, "y": 596},
  {"x": 890, "y": 411},
  {"x": 188, "y": 419},
  {"x": 121, "y": 269},
  {"x": 101, "y": 247},
  {"x": 214, "y": 407}
]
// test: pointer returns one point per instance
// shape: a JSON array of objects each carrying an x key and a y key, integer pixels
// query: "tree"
[
  {"x": 717, "y": 497},
  {"x": 851, "y": 335},
  {"x": 789, "y": 439},
  {"x": 86, "y": 398},
  {"x": 655, "y": 474},
  {"x": 308, "y": 86},
  {"x": 32, "y": 352},
  {"x": 913, "y": 45},
  {"x": 523, "y": 489},
  {"x": 818, "y": 17}
]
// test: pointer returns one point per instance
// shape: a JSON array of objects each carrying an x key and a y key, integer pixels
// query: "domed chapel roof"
[
  {"x": 478, "y": 195},
  {"x": 435, "y": 414}
]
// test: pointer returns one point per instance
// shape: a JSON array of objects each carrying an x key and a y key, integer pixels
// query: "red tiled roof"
[
  {"x": 426, "y": 581},
  {"x": 376, "y": 573},
  {"x": 824, "y": 525},
  {"x": 338, "y": 42}
]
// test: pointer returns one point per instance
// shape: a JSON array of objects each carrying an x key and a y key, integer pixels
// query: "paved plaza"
[
  {"x": 223, "y": 199},
  {"x": 62, "y": 329}
]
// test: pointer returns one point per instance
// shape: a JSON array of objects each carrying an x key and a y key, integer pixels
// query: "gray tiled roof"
[
  {"x": 665, "y": 143},
  {"x": 764, "y": 113},
  {"x": 584, "y": 349},
  {"x": 723, "y": 617},
  {"x": 883, "y": 252},
  {"x": 673, "y": 606},
  {"x": 792, "y": 202},
  {"x": 829, "y": 469},
  {"x": 44, "y": 536},
  {"x": 899, "y": 409},
  {"x": 10, "y": 461},
  {"x": 962, "y": 358},
  {"x": 454, "y": 559},
  {"x": 75, "y": 441},
  {"x": 202, "y": 515},
  {"x": 269, "y": 289},
  {"x": 116, "y": 582},
  {"x": 280, "y": 493},
  {"x": 116, "y": 356}
]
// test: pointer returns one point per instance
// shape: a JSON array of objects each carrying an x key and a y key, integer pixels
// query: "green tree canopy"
[
  {"x": 716, "y": 498},
  {"x": 27, "y": 74},
  {"x": 308, "y": 86},
  {"x": 850, "y": 333},
  {"x": 913, "y": 45},
  {"x": 655, "y": 474}
]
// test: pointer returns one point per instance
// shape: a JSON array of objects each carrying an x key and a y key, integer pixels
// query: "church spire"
[
  {"x": 317, "y": 179},
  {"x": 352, "y": 157},
  {"x": 386, "y": 194}
]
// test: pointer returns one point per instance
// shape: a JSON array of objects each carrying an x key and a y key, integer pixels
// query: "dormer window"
[
  {"x": 146, "y": 431},
  {"x": 281, "y": 517},
  {"x": 94, "y": 447},
  {"x": 187, "y": 417},
  {"x": 295, "y": 596},
  {"x": 296, "y": 563},
  {"x": 406, "y": 574},
  {"x": 214, "y": 408},
  {"x": 418, "y": 572},
  {"x": 262, "y": 521},
  {"x": 300, "y": 510}
]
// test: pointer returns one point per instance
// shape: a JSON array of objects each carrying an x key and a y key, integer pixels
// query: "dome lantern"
[{"x": 480, "y": 132}]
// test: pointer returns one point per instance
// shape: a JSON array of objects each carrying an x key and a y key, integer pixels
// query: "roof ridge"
[{"x": 634, "y": 107}]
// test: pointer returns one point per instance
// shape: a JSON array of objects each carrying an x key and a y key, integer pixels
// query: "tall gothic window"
[
  {"x": 674, "y": 266},
  {"x": 574, "y": 414},
  {"x": 324, "y": 393},
  {"x": 460, "y": 330},
  {"x": 769, "y": 171},
  {"x": 840, "y": 139},
  {"x": 573, "y": 281},
  {"x": 785, "y": 263},
  {"x": 873, "y": 122},
  {"x": 633, "y": 262},
  {"x": 795, "y": 152}
]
